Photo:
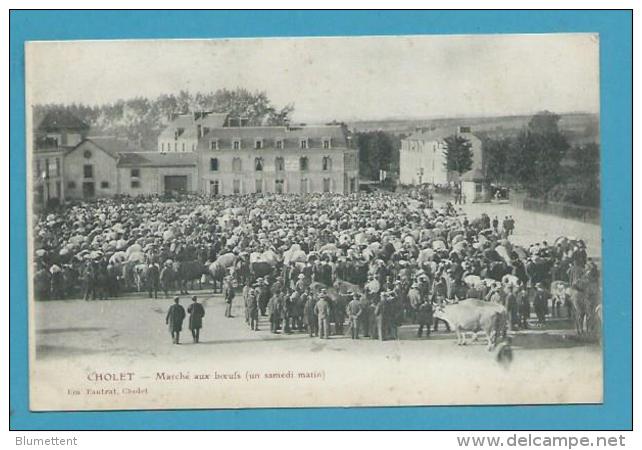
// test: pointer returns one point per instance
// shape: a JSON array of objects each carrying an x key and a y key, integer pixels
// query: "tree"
[
  {"x": 458, "y": 154},
  {"x": 496, "y": 152},
  {"x": 142, "y": 119},
  {"x": 377, "y": 151},
  {"x": 534, "y": 162}
]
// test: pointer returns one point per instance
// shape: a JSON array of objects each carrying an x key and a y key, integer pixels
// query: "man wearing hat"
[
  {"x": 165, "y": 277},
  {"x": 424, "y": 317},
  {"x": 275, "y": 310},
  {"x": 153, "y": 280},
  {"x": 540, "y": 303},
  {"x": 228, "y": 294},
  {"x": 339, "y": 312},
  {"x": 309, "y": 314},
  {"x": 264, "y": 295},
  {"x": 322, "y": 311},
  {"x": 196, "y": 313},
  {"x": 174, "y": 320},
  {"x": 353, "y": 311},
  {"x": 524, "y": 306},
  {"x": 253, "y": 308}
]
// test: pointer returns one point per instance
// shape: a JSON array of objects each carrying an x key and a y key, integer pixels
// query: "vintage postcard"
[{"x": 300, "y": 222}]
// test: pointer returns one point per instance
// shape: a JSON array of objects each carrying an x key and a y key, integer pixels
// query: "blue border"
[{"x": 615, "y": 28}]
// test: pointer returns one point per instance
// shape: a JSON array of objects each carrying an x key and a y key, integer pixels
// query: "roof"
[
  {"x": 156, "y": 159},
  {"x": 473, "y": 175},
  {"x": 438, "y": 134},
  {"x": 188, "y": 123},
  {"x": 111, "y": 145},
  {"x": 270, "y": 134},
  {"x": 60, "y": 119}
]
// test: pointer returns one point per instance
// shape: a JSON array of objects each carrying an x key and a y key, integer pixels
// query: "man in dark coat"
[
  {"x": 153, "y": 280},
  {"x": 424, "y": 317},
  {"x": 511, "y": 307},
  {"x": 524, "y": 305},
  {"x": 196, "y": 314},
  {"x": 253, "y": 308},
  {"x": 274, "y": 308},
  {"x": 339, "y": 313},
  {"x": 165, "y": 277},
  {"x": 309, "y": 314},
  {"x": 174, "y": 320},
  {"x": 540, "y": 303}
]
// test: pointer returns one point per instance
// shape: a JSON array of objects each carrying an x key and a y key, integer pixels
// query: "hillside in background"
[{"x": 579, "y": 128}]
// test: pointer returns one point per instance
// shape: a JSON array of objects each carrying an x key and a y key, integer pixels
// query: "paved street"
[{"x": 76, "y": 338}]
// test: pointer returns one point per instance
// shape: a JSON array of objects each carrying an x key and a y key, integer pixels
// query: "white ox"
[{"x": 472, "y": 315}]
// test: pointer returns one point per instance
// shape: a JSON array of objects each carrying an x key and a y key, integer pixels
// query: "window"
[
  {"x": 279, "y": 164},
  {"x": 279, "y": 144},
  {"x": 71, "y": 185},
  {"x": 303, "y": 163},
  {"x": 135, "y": 173},
  {"x": 88, "y": 171},
  {"x": 214, "y": 187},
  {"x": 258, "y": 144},
  {"x": 87, "y": 154},
  {"x": 58, "y": 190},
  {"x": 162, "y": 146},
  {"x": 278, "y": 186},
  {"x": 135, "y": 184},
  {"x": 304, "y": 143},
  {"x": 213, "y": 164},
  {"x": 47, "y": 168},
  {"x": 478, "y": 188},
  {"x": 183, "y": 146},
  {"x": 38, "y": 169},
  {"x": 193, "y": 147},
  {"x": 214, "y": 144},
  {"x": 236, "y": 186},
  {"x": 236, "y": 165},
  {"x": 304, "y": 185},
  {"x": 326, "y": 184},
  {"x": 236, "y": 145},
  {"x": 57, "y": 167},
  {"x": 258, "y": 185},
  {"x": 327, "y": 143},
  {"x": 353, "y": 184},
  {"x": 258, "y": 164},
  {"x": 326, "y": 163},
  {"x": 175, "y": 146},
  {"x": 104, "y": 184}
]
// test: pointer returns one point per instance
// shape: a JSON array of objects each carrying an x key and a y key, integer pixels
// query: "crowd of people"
[{"x": 322, "y": 264}]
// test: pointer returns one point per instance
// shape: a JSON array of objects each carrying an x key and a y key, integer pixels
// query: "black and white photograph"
[{"x": 312, "y": 222}]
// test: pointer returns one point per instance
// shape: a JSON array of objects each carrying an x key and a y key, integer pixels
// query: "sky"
[{"x": 355, "y": 78}]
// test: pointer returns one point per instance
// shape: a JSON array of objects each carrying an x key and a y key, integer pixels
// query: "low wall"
[{"x": 559, "y": 209}]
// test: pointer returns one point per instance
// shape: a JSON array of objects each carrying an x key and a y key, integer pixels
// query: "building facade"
[
  {"x": 277, "y": 159},
  {"x": 184, "y": 131},
  {"x": 422, "y": 159},
  {"x": 220, "y": 157},
  {"x": 55, "y": 133}
]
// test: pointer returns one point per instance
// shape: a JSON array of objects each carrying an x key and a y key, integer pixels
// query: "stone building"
[
  {"x": 277, "y": 159},
  {"x": 183, "y": 132},
  {"x": 422, "y": 160},
  {"x": 55, "y": 133},
  {"x": 211, "y": 154}
]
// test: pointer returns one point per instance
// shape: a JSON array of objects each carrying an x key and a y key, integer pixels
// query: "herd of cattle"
[{"x": 260, "y": 241}]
